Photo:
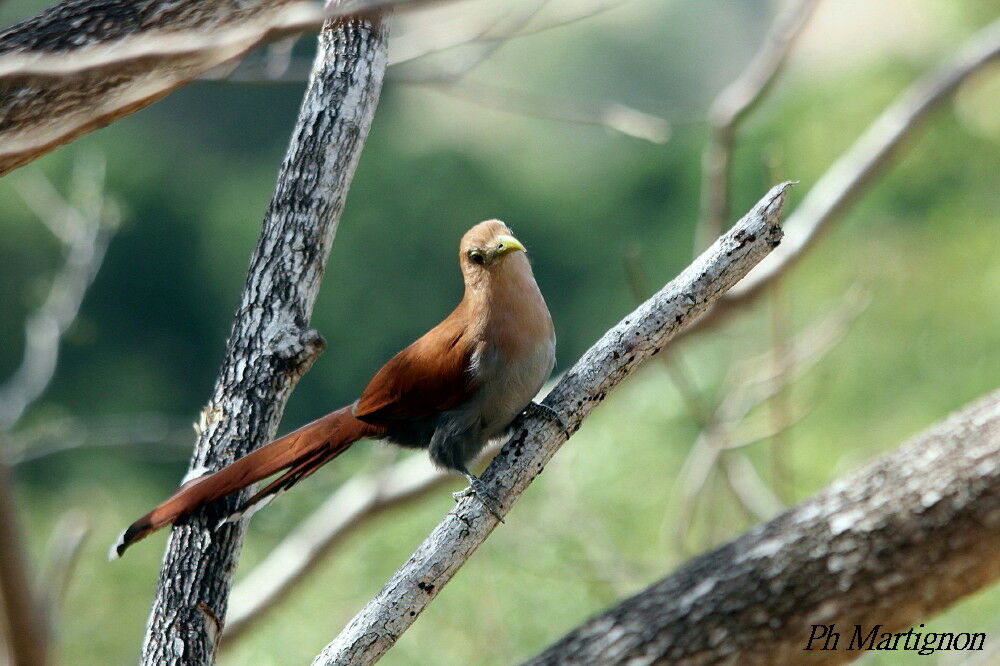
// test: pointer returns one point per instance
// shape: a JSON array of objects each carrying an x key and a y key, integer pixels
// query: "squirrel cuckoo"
[{"x": 457, "y": 387}]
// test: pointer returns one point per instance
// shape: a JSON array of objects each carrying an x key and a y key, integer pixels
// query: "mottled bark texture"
[
  {"x": 270, "y": 345},
  {"x": 892, "y": 544},
  {"x": 615, "y": 356},
  {"x": 81, "y": 64}
]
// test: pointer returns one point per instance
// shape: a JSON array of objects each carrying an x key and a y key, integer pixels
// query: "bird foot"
[
  {"x": 482, "y": 493},
  {"x": 538, "y": 409}
]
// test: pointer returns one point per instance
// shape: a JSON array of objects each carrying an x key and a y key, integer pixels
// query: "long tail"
[{"x": 301, "y": 452}]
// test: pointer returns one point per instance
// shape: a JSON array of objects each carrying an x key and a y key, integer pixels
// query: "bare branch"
[
  {"x": 25, "y": 629},
  {"x": 746, "y": 388},
  {"x": 859, "y": 167},
  {"x": 859, "y": 552},
  {"x": 733, "y": 105},
  {"x": 612, "y": 116},
  {"x": 436, "y": 35},
  {"x": 616, "y": 355},
  {"x": 270, "y": 346},
  {"x": 171, "y": 434},
  {"x": 61, "y": 557},
  {"x": 351, "y": 506},
  {"x": 476, "y": 52},
  {"x": 86, "y": 228},
  {"x": 751, "y": 491},
  {"x": 82, "y": 64}
]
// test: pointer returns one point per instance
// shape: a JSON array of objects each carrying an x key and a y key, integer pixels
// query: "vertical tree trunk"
[{"x": 270, "y": 345}]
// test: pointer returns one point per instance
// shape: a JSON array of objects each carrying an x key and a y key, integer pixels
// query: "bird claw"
[
  {"x": 538, "y": 409},
  {"x": 483, "y": 494}
]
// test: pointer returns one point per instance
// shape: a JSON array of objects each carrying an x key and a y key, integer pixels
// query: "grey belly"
[{"x": 461, "y": 433}]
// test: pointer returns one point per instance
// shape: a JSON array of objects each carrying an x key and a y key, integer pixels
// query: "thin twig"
[
  {"x": 425, "y": 39},
  {"x": 612, "y": 116},
  {"x": 61, "y": 557},
  {"x": 779, "y": 407},
  {"x": 747, "y": 388},
  {"x": 733, "y": 105},
  {"x": 475, "y": 53},
  {"x": 620, "y": 351},
  {"x": 53, "y": 436},
  {"x": 86, "y": 227}
]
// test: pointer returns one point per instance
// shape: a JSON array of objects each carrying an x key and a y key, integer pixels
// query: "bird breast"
[
  {"x": 516, "y": 352},
  {"x": 509, "y": 382}
]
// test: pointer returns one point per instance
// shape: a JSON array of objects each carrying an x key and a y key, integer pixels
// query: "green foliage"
[{"x": 195, "y": 173}]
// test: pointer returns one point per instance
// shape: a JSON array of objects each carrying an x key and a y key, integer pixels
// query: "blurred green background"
[{"x": 194, "y": 172}]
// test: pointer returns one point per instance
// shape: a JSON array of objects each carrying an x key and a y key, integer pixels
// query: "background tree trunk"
[{"x": 892, "y": 544}]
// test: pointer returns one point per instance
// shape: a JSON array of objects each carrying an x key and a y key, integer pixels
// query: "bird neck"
[{"x": 506, "y": 304}]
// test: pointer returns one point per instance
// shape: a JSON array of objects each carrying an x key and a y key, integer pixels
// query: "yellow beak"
[{"x": 507, "y": 244}]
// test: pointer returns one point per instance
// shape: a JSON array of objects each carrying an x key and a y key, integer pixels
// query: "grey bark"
[
  {"x": 639, "y": 336},
  {"x": 891, "y": 544},
  {"x": 43, "y": 108},
  {"x": 83, "y": 64},
  {"x": 270, "y": 345}
]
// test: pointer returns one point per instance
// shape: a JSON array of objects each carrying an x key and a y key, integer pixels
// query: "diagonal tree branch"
[
  {"x": 615, "y": 356},
  {"x": 960, "y": 67},
  {"x": 270, "y": 346},
  {"x": 860, "y": 166},
  {"x": 85, "y": 235},
  {"x": 351, "y": 506},
  {"x": 890, "y": 545},
  {"x": 610, "y": 115},
  {"x": 83, "y": 64}
]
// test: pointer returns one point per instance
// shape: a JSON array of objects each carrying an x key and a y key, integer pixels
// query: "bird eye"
[{"x": 476, "y": 257}]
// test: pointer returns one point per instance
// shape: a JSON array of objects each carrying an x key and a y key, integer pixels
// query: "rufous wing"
[{"x": 431, "y": 375}]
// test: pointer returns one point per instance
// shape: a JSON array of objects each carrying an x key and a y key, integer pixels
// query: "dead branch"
[
  {"x": 85, "y": 227},
  {"x": 749, "y": 385},
  {"x": 440, "y": 33},
  {"x": 616, "y": 355},
  {"x": 892, "y": 544},
  {"x": 733, "y": 105},
  {"x": 860, "y": 166},
  {"x": 612, "y": 116},
  {"x": 62, "y": 554},
  {"x": 270, "y": 345},
  {"x": 353, "y": 504},
  {"x": 83, "y": 64},
  {"x": 171, "y": 434}
]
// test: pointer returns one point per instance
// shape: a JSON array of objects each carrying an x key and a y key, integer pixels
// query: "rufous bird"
[{"x": 456, "y": 388}]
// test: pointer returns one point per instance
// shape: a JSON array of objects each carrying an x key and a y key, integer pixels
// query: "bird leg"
[
  {"x": 479, "y": 489},
  {"x": 538, "y": 409}
]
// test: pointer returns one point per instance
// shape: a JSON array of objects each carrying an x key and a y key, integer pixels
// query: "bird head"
[{"x": 486, "y": 246}]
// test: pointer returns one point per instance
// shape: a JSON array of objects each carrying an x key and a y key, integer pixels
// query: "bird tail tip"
[{"x": 129, "y": 536}]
